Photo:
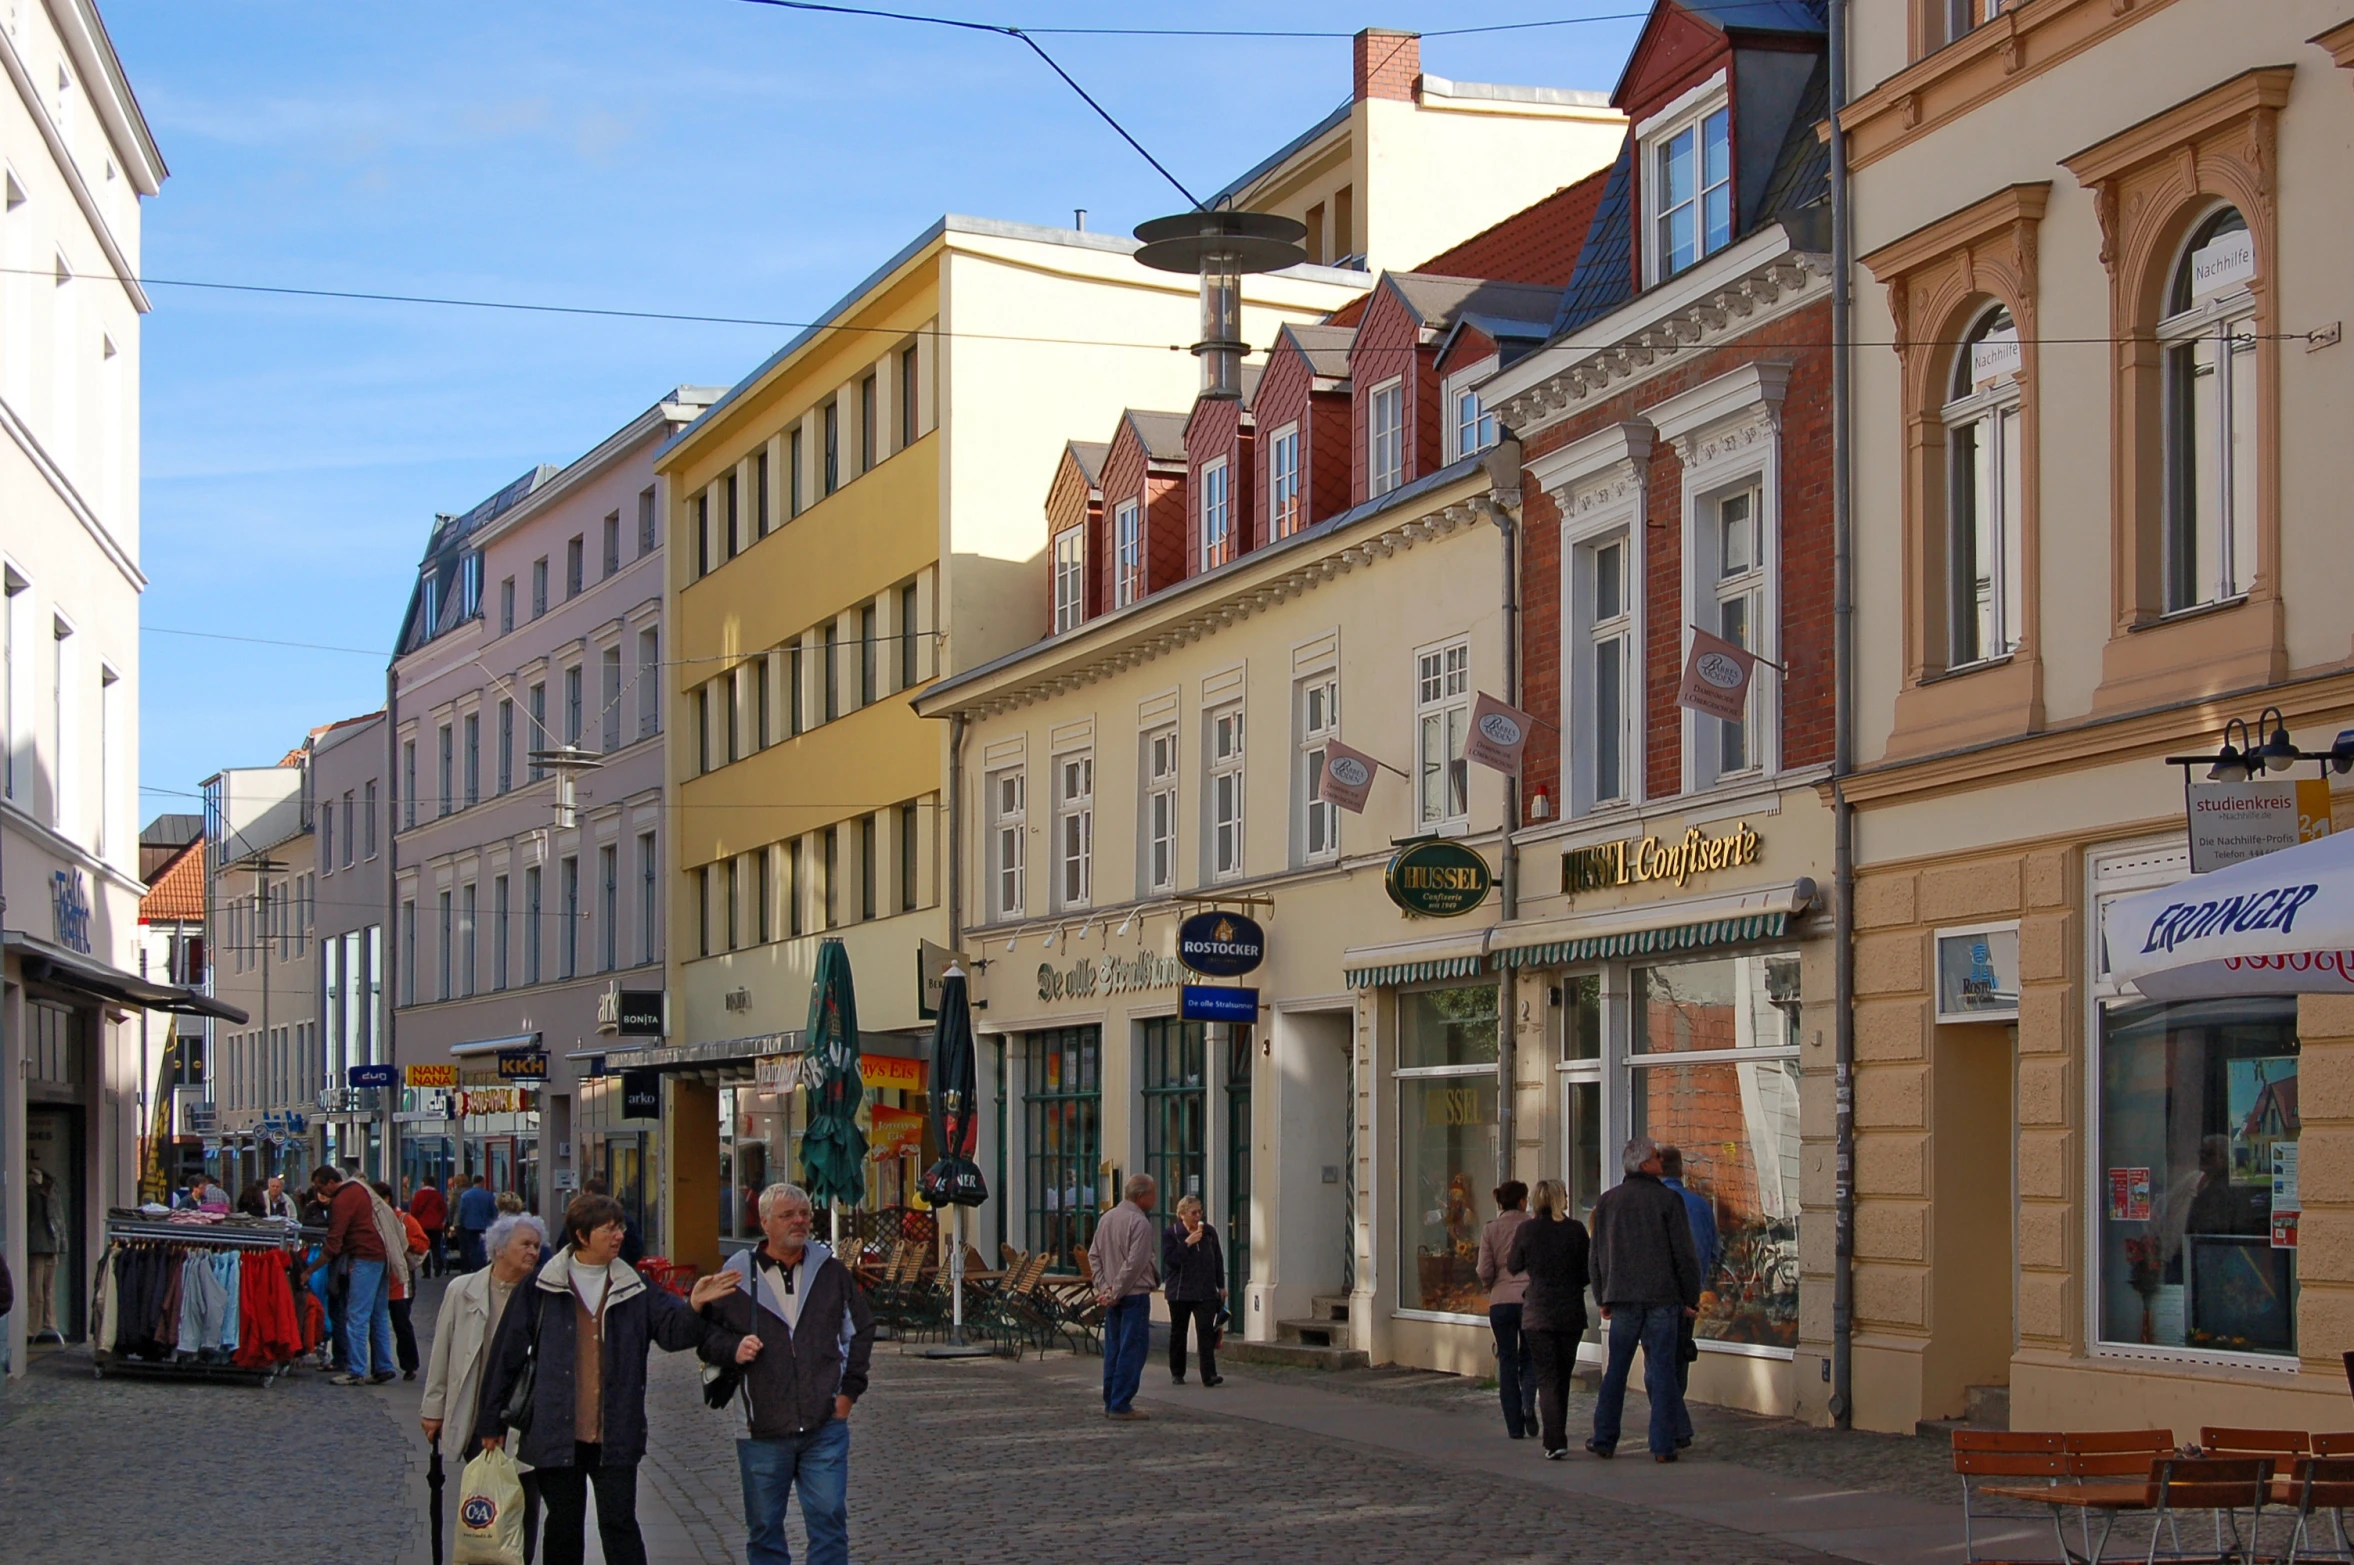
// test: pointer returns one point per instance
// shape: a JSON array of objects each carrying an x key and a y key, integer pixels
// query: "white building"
[{"x": 75, "y": 160}]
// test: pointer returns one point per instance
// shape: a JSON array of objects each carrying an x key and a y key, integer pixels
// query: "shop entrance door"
[
  {"x": 498, "y": 1161},
  {"x": 1176, "y": 1104},
  {"x": 54, "y": 1247},
  {"x": 625, "y": 1176},
  {"x": 1239, "y": 1052},
  {"x": 1971, "y": 1194}
]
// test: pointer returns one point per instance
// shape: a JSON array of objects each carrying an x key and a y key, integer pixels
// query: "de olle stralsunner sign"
[
  {"x": 1635, "y": 859},
  {"x": 1108, "y": 975}
]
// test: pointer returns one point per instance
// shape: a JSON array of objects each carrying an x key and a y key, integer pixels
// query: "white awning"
[
  {"x": 1682, "y": 924},
  {"x": 1456, "y": 954},
  {"x": 2280, "y": 924},
  {"x": 522, "y": 1040}
]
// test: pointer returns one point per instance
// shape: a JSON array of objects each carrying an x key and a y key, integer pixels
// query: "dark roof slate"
[{"x": 1604, "y": 278}]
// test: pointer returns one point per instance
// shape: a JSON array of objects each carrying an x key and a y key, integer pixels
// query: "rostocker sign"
[
  {"x": 1438, "y": 879},
  {"x": 1221, "y": 945},
  {"x": 1651, "y": 858}
]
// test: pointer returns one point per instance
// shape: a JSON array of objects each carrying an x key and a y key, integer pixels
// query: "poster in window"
[
  {"x": 2262, "y": 1103},
  {"x": 2239, "y": 1294}
]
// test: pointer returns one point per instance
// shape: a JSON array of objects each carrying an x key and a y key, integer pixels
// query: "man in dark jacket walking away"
[
  {"x": 590, "y": 1321},
  {"x": 1647, "y": 1280},
  {"x": 796, "y": 1325}
]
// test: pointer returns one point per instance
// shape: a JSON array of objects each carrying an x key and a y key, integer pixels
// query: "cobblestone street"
[{"x": 976, "y": 1461}]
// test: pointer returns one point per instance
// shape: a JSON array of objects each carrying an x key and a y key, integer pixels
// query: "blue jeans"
[
  {"x": 1653, "y": 1328},
  {"x": 820, "y": 1463},
  {"x": 1127, "y": 1342},
  {"x": 367, "y": 1321},
  {"x": 1516, "y": 1379}
]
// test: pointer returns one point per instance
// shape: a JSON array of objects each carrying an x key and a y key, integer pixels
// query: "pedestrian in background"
[
  {"x": 355, "y": 1249},
  {"x": 1126, "y": 1278},
  {"x": 1647, "y": 1279},
  {"x": 1550, "y": 1250},
  {"x": 1195, "y": 1270},
  {"x": 477, "y": 1210},
  {"x": 509, "y": 1204},
  {"x": 249, "y": 1200},
  {"x": 44, "y": 1239},
  {"x": 797, "y": 1326},
  {"x": 431, "y": 1213},
  {"x": 1702, "y": 1216},
  {"x": 633, "y": 1242},
  {"x": 402, "y": 1244},
  {"x": 278, "y": 1202},
  {"x": 1516, "y": 1381},
  {"x": 591, "y": 1321},
  {"x": 471, "y": 1308}
]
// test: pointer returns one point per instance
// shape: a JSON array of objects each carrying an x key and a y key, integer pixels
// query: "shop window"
[
  {"x": 1175, "y": 1089},
  {"x": 1319, "y": 719},
  {"x": 1446, "y": 1145},
  {"x": 1442, "y": 710},
  {"x": 1007, "y": 838},
  {"x": 1062, "y": 1140},
  {"x": 1160, "y": 811},
  {"x": 1984, "y": 551},
  {"x": 2209, "y": 334},
  {"x": 1713, "y": 1070},
  {"x": 1074, "y": 829}
]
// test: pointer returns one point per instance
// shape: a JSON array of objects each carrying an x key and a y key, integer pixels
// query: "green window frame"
[
  {"x": 1175, "y": 1088},
  {"x": 1062, "y": 1139}
]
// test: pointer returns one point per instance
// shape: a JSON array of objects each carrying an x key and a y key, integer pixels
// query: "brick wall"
[
  {"x": 1217, "y": 429},
  {"x": 1069, "y": 504},
  {"x": 1165, "y": 554},
  {"x": 1386, "y": 64},
  {"x": 1387, "y": 349},
  {"x": 1124, "y": 469},
  {"x": 1805, "y": 585}
]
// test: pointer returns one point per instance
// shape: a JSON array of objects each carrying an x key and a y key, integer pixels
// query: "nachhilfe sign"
[
  {"x": 1221, "y": 945},
  {"x": 2231, "y": 823}
]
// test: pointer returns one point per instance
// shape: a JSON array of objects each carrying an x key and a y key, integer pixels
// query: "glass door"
[
  {"x": 1582, "y": 1120},
  {"x": 1238, "y": 1163}
]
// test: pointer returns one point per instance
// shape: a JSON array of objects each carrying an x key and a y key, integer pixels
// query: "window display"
[
  {"x": 1446, "y": 1145},
  {"x": 1734, "y": 1113},
  {"x": 2198, "y": 1156}
]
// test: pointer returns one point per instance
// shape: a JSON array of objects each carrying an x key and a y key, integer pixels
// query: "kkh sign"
[
  {"x": 1636, "y": 859},
  {"x": 1438, "y": 879}
]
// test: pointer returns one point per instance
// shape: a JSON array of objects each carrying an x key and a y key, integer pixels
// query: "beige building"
[{"x": 2099, "y": 481}]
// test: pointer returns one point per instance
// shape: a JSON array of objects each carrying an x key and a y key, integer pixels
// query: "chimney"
[{"x": 1388, "y": 64}]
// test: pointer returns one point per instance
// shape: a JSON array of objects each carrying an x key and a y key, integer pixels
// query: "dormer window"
[
  {"x": 1385, "y": 454},
  {"x": 1127, "y": 553},
  {"x": 1070, "y": 578},
  {"x": 1217, "y": 516},
  {"x": 1471, "y": 428},
  {"x": 1688, "y": 167}
]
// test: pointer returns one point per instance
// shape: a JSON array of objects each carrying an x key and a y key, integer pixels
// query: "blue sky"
[{"x": 702, "y": 156}]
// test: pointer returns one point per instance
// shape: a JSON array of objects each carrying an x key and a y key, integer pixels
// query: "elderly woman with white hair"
[{"x": 471, "y": 1308}]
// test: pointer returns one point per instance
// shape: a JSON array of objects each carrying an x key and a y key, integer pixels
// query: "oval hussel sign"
[
  {"x": 1221, "y": 945},
  {"x": 1438, "y": 879}
]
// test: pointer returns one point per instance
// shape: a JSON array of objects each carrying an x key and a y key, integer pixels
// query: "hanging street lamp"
[{"x": 1219, "y": 247}]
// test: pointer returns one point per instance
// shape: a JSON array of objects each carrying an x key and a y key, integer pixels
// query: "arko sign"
[{"x": 1221, "y": 945}]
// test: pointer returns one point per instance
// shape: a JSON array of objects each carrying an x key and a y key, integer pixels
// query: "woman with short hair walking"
[
  {"x": 1550, "y": 1249},
  {"x": 1195, "y": 1270},
  {"x": 471, "y": 1307}
]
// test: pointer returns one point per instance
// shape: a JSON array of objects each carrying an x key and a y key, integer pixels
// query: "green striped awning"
[
  {"x": 1413, "y": 972},
  {"x": 1643, "y": 942}
]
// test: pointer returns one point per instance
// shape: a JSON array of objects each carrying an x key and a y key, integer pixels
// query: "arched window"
[
  {"x": 1983, "y": 509},
  {"x": 2209, "y": 342}
]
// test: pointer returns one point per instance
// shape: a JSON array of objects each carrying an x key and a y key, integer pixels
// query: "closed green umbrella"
[
  {"x": 955, "y": 1181},
  {"x": 833, "y": 1148}
]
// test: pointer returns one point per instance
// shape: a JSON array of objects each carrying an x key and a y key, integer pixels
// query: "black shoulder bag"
[{"x": 516, "y": 1413}]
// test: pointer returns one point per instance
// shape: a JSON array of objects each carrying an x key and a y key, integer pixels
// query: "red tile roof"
[
  {"x": 177, "y": 892},
  {"x": 1537, "y": 244}
]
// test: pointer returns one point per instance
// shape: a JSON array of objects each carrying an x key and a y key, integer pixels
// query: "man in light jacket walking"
[
  {"x": 1646, "y": 1277},
  {"x": 1125, "y": 1258},
  {"x": 797, "y": 1328}
]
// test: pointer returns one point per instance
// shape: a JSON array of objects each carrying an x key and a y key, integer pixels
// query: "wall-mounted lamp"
[
  {"x": 1053, "y": 935},
  {"x": 2280, "y": 751},
  {"x": 2232, "y": 762},
  {"x": 1128, "y": 923}
]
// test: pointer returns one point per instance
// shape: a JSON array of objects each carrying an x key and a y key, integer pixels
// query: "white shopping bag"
[{"x": 490, "y": 1511}]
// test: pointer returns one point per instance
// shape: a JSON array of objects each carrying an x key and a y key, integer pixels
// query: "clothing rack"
[{"x": 130, "y": 1229}]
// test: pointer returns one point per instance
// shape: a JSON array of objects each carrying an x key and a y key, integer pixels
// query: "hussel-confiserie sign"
[{"x": 1634, "y": 859}]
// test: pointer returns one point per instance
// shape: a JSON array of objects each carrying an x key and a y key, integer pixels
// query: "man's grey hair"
[
  {"x": 783, "y": 1195},
  {"x": 1140, "y": 1186},
  {"x": 1639, "y": 1151},
  {"x": 502, "y": 1231}
]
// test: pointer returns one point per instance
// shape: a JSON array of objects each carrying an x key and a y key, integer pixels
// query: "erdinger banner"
[{"x": 2280, "y": 924}]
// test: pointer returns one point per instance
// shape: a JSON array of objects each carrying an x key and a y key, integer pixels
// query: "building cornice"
[
  {"x": 62, "y": 155},
  {"x": 1659, "y": 330},
  {"x": 100, "y": 534},
  {"x": 2265, "y": 87}
]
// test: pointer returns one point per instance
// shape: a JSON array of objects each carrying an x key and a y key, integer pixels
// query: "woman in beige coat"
[{"x": 470, "y": 1309}]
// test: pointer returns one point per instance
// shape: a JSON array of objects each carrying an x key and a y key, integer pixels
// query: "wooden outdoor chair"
[
  {"x": 2107, "y": 1475},
  {"x": 2318, "y": 1484},
  {"x": 2333, "y": 1445},
  {"x": 2284, "y": 1446},
  {"x": 2225, "y": 1487},
  {"x": 2022, "y": 1463}
]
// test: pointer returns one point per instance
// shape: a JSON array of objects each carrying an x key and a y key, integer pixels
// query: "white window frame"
[
  {"x": 1217, "y": 514},
  {"x": 1161, "y": 755},
  {"x": 1074, "y": 828},
  {"x": 1008, "y": 841},
  {"x": 1442, "y": 696},
  {"x": 1990, "y": 412},
  {"x": 2225, "y": 322},
  {"x": 1598, "y": 483},
  {"x": 1461, "y": 386},
  {"x": 1385, "y": 437},
  {"x": 1127, "y": 553},
  {"x": 1225, "y": 801},
  {"x": 1286, "y": 494},
  {"x": 1687, "y": 114},
  {"x": 1070, "y": 579},
  {"x": 1316, "y": 822}
]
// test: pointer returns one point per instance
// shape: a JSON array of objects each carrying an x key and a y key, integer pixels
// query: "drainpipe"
[
  {"x": 1843, "y": 747},
  {"x": 1503, "y": 469},
  {"x": 956, "y": 728}
]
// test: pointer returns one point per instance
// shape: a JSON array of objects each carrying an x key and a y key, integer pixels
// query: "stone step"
[
  {"x": 1299, "y": 1355},
  {"x": 1983, "y": 1407},
  {"x": 1315, "y": 1333},
  {"x": 1329, "y": 1306}
]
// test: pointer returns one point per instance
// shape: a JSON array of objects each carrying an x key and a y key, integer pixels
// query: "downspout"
[
  {"x": 1842, "y": 1405},
  {"x": 380, "y": 1049},
  {"x": 1503, "y": 469}
]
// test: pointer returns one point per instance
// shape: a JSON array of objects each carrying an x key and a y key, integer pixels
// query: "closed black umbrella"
[{"x": 955, "y": 1180}]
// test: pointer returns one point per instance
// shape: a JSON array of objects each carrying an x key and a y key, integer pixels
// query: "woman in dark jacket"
[
  {"x": 1194, "y": 1270},
  {"x": 1550, "y": 1248},
  {"x": 588, "y": 1313}
]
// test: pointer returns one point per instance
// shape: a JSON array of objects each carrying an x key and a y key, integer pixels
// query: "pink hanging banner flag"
[
  {"x": 1716, "y": 677},
  {"x": 1347, "y": 777},
  {"x": 1498, "y": 734}
]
